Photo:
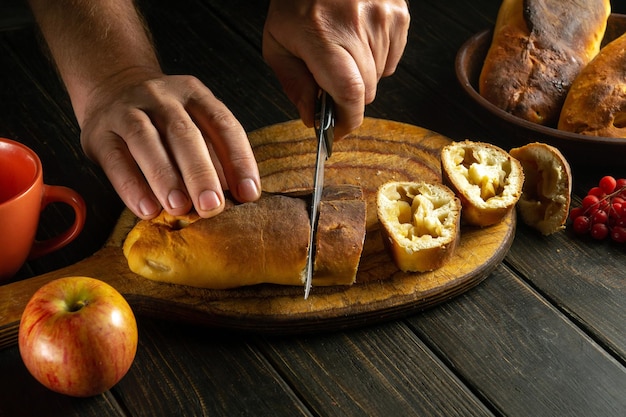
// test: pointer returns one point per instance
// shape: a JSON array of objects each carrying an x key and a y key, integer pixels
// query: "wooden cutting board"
[{"x": 379, "y": 151}]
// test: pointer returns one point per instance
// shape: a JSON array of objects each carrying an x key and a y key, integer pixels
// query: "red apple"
[{"x": 78, "y": 336}]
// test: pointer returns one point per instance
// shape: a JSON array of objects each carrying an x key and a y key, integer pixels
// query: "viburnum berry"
[
  {"x": 589, "y": 201},
  {"x": 602, "y": 212},
  {"x": 599, "y": 231},
  {"x": 599, "y": 216},
  {"x": 607, "y": 184},
  {"x": 596, "y": 191},
  {"x": 581, "y": 224},
  {"x": 618, "y": 234},
  {"x": 576, "y": 212},
  {"x": 604, "y": 205},
  {"x": 616, "y": 208}
]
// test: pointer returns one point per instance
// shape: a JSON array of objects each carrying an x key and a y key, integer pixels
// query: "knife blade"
[{"x": 324, "y": 130}]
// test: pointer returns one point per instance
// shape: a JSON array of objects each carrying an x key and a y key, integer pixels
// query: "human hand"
[
  {"x": 344, "y": 47},
  {"x": 167, "y": 141}
]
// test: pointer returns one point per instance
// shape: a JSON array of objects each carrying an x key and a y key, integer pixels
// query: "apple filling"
[
  {"x": 485, "y": 172},
  {"x": 487, "y": 180},
  {"x": 418, "y": 212}
]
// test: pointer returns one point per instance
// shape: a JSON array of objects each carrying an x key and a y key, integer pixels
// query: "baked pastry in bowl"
[{"x": 577, "y": 148}]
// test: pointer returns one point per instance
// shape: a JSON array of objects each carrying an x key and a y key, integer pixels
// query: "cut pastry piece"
[
  {"x": 252, "y": 243},
  {"x": 487, "y": 180},
  {"x": 421, "y": 223},
  {"x": 545, "y": 200}
]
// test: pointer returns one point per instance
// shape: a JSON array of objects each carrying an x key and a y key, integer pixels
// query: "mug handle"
[{"x": 60, "y": 194}]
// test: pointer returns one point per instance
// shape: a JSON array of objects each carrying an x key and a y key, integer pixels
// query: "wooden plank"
[
  {"x": 591, "y": 291},
  {"x": 521, "y": 355},
  {"x": 192, "y": 40},
  {"x": 245, "y": 18},
  {"x": 14, "y": 14},
  {"x": 377, "y": 371},
  {"x": 181, "y": 370},
  {"x": 436, "y": 34}
]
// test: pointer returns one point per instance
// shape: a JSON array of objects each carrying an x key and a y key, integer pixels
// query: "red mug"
[{"x": 23, "y": 196}]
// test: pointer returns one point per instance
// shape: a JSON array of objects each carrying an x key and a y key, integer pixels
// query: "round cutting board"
[{"x": 379, "y": 151}]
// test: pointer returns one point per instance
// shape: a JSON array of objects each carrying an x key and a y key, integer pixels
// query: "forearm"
[{"x": 93, "y": 41}]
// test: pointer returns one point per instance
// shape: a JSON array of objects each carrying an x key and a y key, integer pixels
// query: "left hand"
[
  {"x": 167, "y": 141},
  {"x": 344, "y": 47}
]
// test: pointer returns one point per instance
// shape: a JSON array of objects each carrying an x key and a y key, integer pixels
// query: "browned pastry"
[
  {"x": 252, "y": 243},
  {"x": 596, "y": 103},
  {"x": 421, "y": 223},
  {"x": 545, "y": 200},
  {"x": 487, "y": 180},
  {"x": 538, "y": 49}
]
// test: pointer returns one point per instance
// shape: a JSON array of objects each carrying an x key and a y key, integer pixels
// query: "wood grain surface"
[{"x": 379, "y": 151}]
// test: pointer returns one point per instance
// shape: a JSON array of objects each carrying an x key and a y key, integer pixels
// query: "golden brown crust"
[
  {"x": 596, "y": 103},
  {"x": 421, "y": 223},
  {"x": 252, "y": 243},
  {"x": 544, "y": 204},
  {"x": 487, "y": 180},
  {"x": 340, "y": 236},
  {"x": 537, "y": 50}
]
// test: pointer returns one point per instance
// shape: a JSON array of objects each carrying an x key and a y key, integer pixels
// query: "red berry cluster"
[{"x": 603, "y": 211}]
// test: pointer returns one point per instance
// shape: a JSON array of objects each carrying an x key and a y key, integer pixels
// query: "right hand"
[{"x": 344, "y": 47}]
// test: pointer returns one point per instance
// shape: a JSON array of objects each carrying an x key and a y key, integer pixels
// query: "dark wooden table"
[{"x": 543, "y": 335}]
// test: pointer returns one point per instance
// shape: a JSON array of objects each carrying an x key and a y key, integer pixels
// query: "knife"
[{"x": 324, "y": 130}]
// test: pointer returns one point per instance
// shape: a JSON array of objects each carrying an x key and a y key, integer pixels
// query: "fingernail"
[
  {"x": 177, "y": 199},
  {"x": 209, "y": 200},
  {"x": 247, "y": 190},
  {"x": 148, "y": 207}
]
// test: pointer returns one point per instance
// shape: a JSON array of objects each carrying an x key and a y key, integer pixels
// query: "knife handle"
[{"x": 325, "y": 120}]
